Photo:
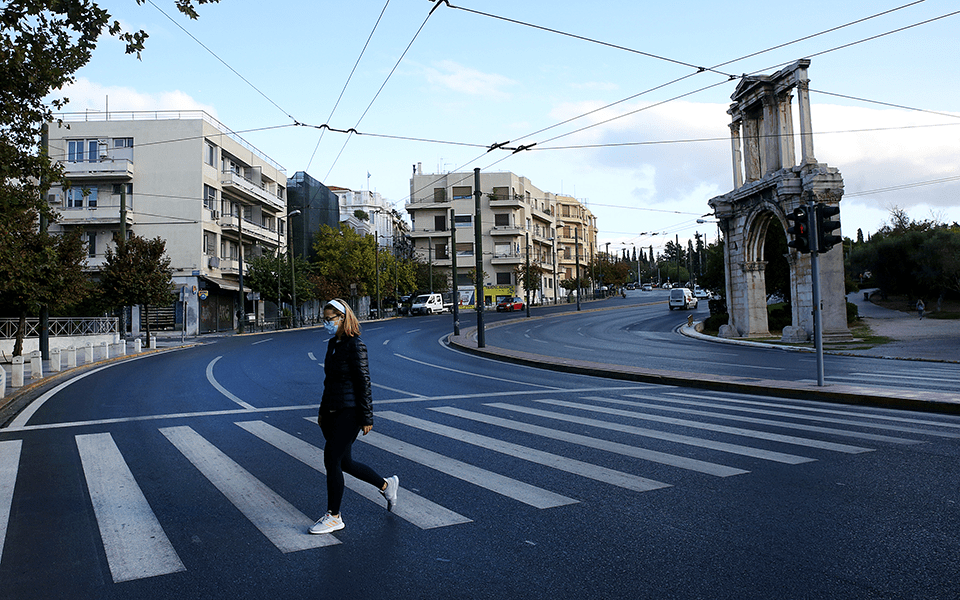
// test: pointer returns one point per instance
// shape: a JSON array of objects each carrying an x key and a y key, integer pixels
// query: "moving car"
[
  {"x": 682, "y": 299},
  {"x": 699, "y": 292},
  {"x": 427, "y": 304},
  {"x": 647, "y": 287},
  {"x": 510, "y": 304}
]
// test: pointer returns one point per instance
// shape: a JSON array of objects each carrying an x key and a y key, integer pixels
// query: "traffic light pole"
[{"x": 815, "y": 277}]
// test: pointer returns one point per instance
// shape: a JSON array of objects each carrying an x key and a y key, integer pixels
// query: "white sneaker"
[
  {"x": 327, "y": 524},
  {"x": 390, "y": 493}
]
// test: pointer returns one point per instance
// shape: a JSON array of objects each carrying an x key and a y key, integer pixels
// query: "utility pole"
[
  {"x": 242, "y": 312},
  {"x": 44, "y": 310},
  {"x": 576, "y": 242},
  {"x": 478, "y": 254},
  {"x": 526, "y": 277},
  {"x": 453, "y": 274}
]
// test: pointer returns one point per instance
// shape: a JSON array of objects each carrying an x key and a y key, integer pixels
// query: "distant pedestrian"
[
  {"x": 920, "y": 307},
  {"x": 346, "y": 409}
]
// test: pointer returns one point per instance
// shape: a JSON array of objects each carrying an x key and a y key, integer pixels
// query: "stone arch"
[{"x": 768, "y": 188}]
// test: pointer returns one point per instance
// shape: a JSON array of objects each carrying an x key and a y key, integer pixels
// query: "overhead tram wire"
[
  {"x": 383, "y": 85},
  {"x": 347, "y": 82},
  {"x": 214, "y": 54}
]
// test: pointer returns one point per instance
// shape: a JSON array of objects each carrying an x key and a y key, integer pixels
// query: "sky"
[{"x": 622, "y": 117}]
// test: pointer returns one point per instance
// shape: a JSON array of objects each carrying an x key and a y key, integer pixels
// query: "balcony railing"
[
  {"x": 233, "y": 181},
  {"x": 105, "y": 168}
]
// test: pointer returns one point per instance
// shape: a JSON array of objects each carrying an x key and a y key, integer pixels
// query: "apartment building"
[
  {"x": 185, "y": 177},
  {"x": 518, "y": 220},
  {"x": 380, "y": 221},
  {"x": 576, "y": 228}
]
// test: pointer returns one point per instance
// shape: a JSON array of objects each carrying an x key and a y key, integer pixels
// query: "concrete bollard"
[
  {"x": 16, "y": 378},
  {"x": 36, "y": 365},
  {"x": 71, "y": 354},
  {"x": 88, "y": 353},
  {"x": 123, "y": 347},
  {"x": 104, "y": 351},
  {"x": 137, "y": 346},
  {"x": 153, "y": 342},
  {"x": 55, "y": 365},
  {"x": 3, "y": 382}
]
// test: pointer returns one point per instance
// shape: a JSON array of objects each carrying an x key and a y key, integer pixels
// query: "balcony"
[
  {"x": 502, "y": 201},
  {"x": 107, "y": 168},
  {"x": 99, "y": 215},
  {"x": 235, "y": 183},
  {"x": 430, "y": 233},
  {"x": 250, "y": 229},
  {"x": 509, "y": 230},
  {"x": 507, "y": 258}
]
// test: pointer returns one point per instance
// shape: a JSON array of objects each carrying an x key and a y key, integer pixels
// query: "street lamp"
[{"x": 293, "y": 279}]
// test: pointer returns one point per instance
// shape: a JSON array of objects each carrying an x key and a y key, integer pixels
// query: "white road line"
[
  {"x": 511, "y": 488},
  {"x": 726, "y": 405},
  {"x": 32, "y": 408},
  {"x": 555, "y": 461},
  {"x": 262, "y": 341},
  {"x": 762, "y": 435},
  {"x": 9, "y": 465},
  {"x": 782, "y": 424},
  {"x": 311, "y": 356},
  {"x": 682, "y": 462},
  {"x": 222, "y": 389},
  {"x": 779, "y": 457},
  {"x": 413, "y": 508},
  {"x": 896, "y": 376},
  {"x": 434, "y": 366},
  {"x": 276, "y": 518},
  {"x": 133, "y": 540},
  {"x": 385, "y": 342}
]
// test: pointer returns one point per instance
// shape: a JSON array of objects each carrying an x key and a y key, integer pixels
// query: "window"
[
  {"x": 209, "y": 243},
  {"x": 465, "y": 249},
  {"x": 83, "y": 150},
  {"x": 528, "y": 224},
  {"x": 502, "y": 250},
  {"x": 210, "y": 156},
  {"x": 92, "y": 244},
  {"x": 127, "y": 190},
  {"x": 462, "y": 192},
  {"x": 463, "y": 220},
  {"x": 77, "y": 197},
  {"x": 123, "y": 142},
  {"x": 501, "y": 220},
  {"x": 504, "y": 279},
  {"x": 210, "y": 197},
  {"x": 440, "y": 223},
  {"x": 439, "y": 194},
  {"x": 440, "y": 252}
]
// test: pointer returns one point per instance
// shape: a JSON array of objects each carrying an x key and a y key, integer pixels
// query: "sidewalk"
[{"x": 914, "y": 339}]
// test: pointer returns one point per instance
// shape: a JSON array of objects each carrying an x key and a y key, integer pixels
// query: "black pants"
[{"x": 341, "y": 429}]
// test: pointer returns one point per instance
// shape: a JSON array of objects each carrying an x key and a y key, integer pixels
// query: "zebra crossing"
[{"x": 735, "y": 432}]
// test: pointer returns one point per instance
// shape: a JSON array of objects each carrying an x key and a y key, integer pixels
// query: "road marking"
[
  {"x": 547, "y": 459},
  {"x": 420, "y": 362},
  {"x": 9, "y": 465},
  {"x": 262, "y": 341},
  {"x": 511, "y": 488},
  {"x": 793, "y": 415},
  {"x": 385, "y": 342},
  {"x": 762, "y": 435},
  {"x": 133, "y": 540},
  {"x": 276, "y": 518},
  {"x": 896, "y": 376},
  {"x": 617, "y": 448},
  {"x": 413, "y": 508},
  {"x": 783, "y": 424},
  {"x": 222, "y": 389},
  {"x": 311, "y": 356},
  {"x": 779, "y": 457}
]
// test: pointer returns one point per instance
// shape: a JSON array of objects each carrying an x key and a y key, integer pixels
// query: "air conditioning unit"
[
  {"x": 53, "y": 198},
  {"x": 103, "y": 147}
]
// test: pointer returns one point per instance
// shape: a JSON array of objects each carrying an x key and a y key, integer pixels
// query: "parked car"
[
  {"x": 510, "y": 304},
  {"x": 699, "y": 292},
  {"x": 427, "y": 304},
  {"x": 646, "y": 287},
  {"x": 682, "y": 298}
]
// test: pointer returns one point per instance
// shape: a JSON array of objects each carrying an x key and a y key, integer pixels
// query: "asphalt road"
[{"x": 194, "y": 474}]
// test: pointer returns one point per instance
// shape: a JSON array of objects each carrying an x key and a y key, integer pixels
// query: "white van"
[
  {"x": 682, "y": 299},
  {"x": 427, "y": 304}
]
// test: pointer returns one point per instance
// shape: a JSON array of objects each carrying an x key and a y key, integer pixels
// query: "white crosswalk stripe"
[
  {"x": 413, "y": 508},
  {"x": 276, "y": 518},
  {"x": 570, "y": 465},
  {"x": 9, "y": 467},
  {"x": 133, "y": 540}
]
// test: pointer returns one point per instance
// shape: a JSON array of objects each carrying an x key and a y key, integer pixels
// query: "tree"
[
  {"x": 137, "y": 272},
  {"x": 36, "y": 268},
  {"x": 264, "y": 278},
  {"x": 531, "y": 277},
  {"x": 345, "y": 259}
]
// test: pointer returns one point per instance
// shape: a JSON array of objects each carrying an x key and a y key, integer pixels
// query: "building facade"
[
  {"x": 215, "y": 199},
  {"x": 318, "y": 206},
  {"x": 380, "y": 220},
  {"x": 518, "y": 221}
]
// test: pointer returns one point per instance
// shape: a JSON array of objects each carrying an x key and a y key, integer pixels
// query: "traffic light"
[
  {"x": 799, "y": 229},
  {"x": 825, "y": 226}
]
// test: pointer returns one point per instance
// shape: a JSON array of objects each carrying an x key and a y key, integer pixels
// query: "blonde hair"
[{"x": 351, "y": 325}]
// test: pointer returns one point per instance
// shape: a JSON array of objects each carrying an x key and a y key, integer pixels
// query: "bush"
[
  {"x": 853, "y": 313},
  {"x": 779, "y": 316},
  {"x": 713, "y": 322}
]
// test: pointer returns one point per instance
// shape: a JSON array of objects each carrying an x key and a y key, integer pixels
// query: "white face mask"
[{"x": 331, "y": 326}]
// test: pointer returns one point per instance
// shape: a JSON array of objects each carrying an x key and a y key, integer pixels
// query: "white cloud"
[
  {"x": 88, "y": 95},
  {"x": 465, "y": 80}
]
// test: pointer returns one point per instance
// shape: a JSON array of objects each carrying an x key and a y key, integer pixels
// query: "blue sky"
[{"x": 479, "y": 80}]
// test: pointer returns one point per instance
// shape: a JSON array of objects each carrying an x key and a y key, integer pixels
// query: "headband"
[{"x": 337, "y": 306}]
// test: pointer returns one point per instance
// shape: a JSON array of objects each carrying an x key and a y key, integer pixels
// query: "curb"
[{"x": 934, "y": 402}]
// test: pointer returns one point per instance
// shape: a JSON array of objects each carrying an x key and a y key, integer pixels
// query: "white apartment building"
[
  {"x": 518, "y": 220},
  {"x": 186, "y": 178},
  {"x": 380, "y": 222}
]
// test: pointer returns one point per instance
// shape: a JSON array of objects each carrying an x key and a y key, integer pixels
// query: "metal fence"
[{"x": 60, "y": 327}]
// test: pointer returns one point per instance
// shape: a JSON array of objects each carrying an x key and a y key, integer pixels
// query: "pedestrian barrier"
[
  {"x": 3, "y": 382},
  {"x": 137, "y": 346},
  {"x": 55, "y": 365},
  {"x": 71, "y": 357},
  {"x": 17, "y": 378},
  {"x": 88, "y": 353},
  {"x": 36, "y": 365}
]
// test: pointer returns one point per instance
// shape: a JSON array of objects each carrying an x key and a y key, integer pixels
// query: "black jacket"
[{"x": 346, "y": 380}]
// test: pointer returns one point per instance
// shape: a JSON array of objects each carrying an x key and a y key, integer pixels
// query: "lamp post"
[
  {"x": 556, "y": 292},
  {"x": 293, "y": 279}
]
